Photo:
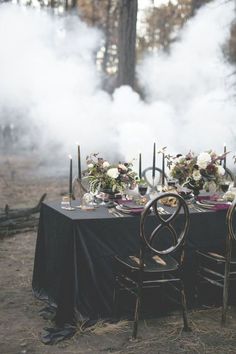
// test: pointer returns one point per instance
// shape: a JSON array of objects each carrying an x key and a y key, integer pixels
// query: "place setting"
[{"x": 200, "y": 179}]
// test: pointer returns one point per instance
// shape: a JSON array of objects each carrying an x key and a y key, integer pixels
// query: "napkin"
[
  {"x": 130, "y": 205},
  {"x": 213, "y": 205},
  {"x": 129, "y": 210}
]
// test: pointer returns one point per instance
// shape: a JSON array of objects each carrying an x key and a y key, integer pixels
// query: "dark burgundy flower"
[{"x": 211, "y": 169}]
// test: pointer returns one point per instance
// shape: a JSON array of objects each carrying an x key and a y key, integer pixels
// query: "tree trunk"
[
  {"x": 106, "y": 55},
  {"x": 127, "y": 42}
]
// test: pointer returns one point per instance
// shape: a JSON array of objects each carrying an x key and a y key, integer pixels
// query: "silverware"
[
  {"x": 200, "y": 210},
  {"x": 162, "y": 210},
  {"x": 115, "y": 213}
]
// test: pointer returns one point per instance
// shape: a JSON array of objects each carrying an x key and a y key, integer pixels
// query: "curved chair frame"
[
  {"x": 144, "y": 175},
  {"x": 165, "y": 222},
  {"x": 133, "y": 277},
  {"x": 229, "y": 173},
  {"x": 231, "y": 236},
  {"x": 209, "y": 263}
]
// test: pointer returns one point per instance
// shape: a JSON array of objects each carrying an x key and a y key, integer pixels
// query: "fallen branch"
[
  {"x": 17, "y": 213},
  {"x": 19, "y": 220}
]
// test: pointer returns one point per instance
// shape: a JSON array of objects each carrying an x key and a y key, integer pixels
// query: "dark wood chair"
[
  {"x": 162, "y": 235},
  {"x": 158, "y": 180},
  {"x": 229, "y": 174},
  {"x": 219, "y": 268}
]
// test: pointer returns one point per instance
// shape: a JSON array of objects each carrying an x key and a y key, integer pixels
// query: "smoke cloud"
[{"x": 51, "y": 91}]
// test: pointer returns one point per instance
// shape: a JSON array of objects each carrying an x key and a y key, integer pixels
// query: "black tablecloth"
[{"x": 73, "y": 259}]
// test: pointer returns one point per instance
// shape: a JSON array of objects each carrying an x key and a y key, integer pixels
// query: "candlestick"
[
  {"x": 79, "y": 163},
  {"x": 70, "y": 177},
  {"x": 140, "y": 166},
  {"x": 224, "y": 163},
  {"x": 154, "y": 161},
  {"x": 163, "y": 168}
]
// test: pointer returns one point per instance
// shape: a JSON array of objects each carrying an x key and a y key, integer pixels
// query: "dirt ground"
[{"x": 20, "y": 324}]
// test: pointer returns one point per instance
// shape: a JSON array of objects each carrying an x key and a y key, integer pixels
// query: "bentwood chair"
[
  {"x": 219, "y": 269},
  {"x": 153, "y": 182},
  {"x": 162, "y": 235},
  {"x": 229, "y": 174}
]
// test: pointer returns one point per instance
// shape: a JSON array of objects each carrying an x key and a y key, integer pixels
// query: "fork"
[
  {"x": 115, "y": 213},
  {"x": 162, "y": 210},
  {"x": 197, "y": 208}
]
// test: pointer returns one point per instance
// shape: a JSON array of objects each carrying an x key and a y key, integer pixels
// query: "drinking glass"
[
  {"x": 224, "y": 186},
  {"x": 172, "y": 182},
  {"x": 103, "y": 197},
  {"x": 66, "y": 203},
  {"x": 142, "y": 189},
  {"x": 93, "y": 194}
]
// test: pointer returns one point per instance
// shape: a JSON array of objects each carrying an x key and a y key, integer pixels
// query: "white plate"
[
  {"x": 128, "y": 211},
  {"x": 204, "y": 205}
]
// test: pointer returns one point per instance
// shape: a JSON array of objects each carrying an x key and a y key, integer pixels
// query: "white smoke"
[
  {"x": 50, "y": 85},
  {"x": 196, "y": 82}
]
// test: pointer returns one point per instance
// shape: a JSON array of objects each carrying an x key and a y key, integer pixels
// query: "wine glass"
[
  {"x": 224, "y": 186},
  {"x": 142, "y": 189},
  {"x": 102, "y": 195},
  {"x": 172, "y": 182},
  {"x": 93, "y": 194}
]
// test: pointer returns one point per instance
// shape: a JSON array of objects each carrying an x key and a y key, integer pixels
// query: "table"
[{"x": 74, "y": 251}]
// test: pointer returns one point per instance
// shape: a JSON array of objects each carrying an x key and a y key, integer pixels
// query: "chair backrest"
[
  {"x": 230, "y": 221},
  {"x": 162, "y": 232},
  {"x": 147, "y": 176},
  {"x": 229, "y": 174}
]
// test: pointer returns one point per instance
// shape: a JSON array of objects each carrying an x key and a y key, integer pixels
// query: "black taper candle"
[
  {"x": 70, "y": 177},
  {"x": 224, "y": 164},
  {"x": 163, "y": 168},
  {"x": 140, "y": 166},
  {"x": 79, "y": 163},
  {"x": 154, "y": 161}
]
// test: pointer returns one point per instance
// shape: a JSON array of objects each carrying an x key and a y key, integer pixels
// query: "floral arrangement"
[
  {"x": 109, "y": 177},
  {"x": 203, "y": 171}
]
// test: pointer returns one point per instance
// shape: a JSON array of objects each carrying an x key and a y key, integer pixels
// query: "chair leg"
[
  {"x": 137, "y": 310},
  {"x": 136, "y": 318},
  {"x": 225, "y": 296},
  {"x": 184, "y": 310}
]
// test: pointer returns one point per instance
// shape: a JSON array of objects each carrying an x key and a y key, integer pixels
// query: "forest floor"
[{"x": 20, "y": 323}]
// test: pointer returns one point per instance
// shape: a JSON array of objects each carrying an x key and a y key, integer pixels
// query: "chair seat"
[
  {"x": 217, "y": 257},
  {"x": 152, "y": 264}
]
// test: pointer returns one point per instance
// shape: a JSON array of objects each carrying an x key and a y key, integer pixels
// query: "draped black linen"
[{"x": 74, "y": 250}]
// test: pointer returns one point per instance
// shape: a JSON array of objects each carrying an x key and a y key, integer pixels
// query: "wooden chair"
[
  {"x": 147, "y": 176},
  {"x": 219, "y": 269},
  {"x": 161, "y": 235},
  {"x": 229, "y": 174}
]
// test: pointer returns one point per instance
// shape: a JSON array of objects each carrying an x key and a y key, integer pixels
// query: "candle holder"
[{"x": 66, "y": 203}]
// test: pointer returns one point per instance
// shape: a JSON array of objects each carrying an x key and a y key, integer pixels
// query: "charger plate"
[
  {"x": 213, "y": 205},
  {"x": 129, "y": 210}
]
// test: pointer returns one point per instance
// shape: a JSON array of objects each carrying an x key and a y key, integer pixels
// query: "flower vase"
[{"x": 109, "y": 194}]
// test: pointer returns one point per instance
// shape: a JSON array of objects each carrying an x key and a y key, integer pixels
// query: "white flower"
[
  {"x": 90, "y": 165},
  {"x": 179, "y": 159},
  {"x": 229, "y": 196},
  {"x": 221, "y": 170},
  {"x": 122, "y": 167},
  {"x": 196, "y": 175},
  {"x": 113, "y": 172},
  {"x": 203, "y": 159},
  {"x": 105, "y": 164}
]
